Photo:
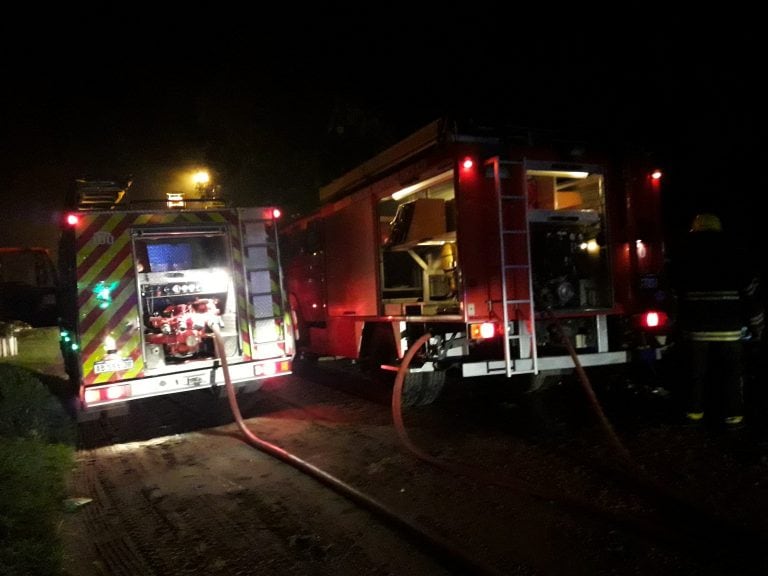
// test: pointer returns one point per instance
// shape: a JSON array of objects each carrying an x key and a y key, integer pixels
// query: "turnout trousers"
[{"x": 715, "y": 378}]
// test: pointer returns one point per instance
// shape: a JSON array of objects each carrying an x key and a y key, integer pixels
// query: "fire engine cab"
[
  {"x": 499, "y": 243},
  {"x": 144, "y": 286}
]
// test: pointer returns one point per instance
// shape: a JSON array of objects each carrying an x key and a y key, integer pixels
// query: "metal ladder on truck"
[
  {"x": 264, "y": 284},
  {"x": 516, "y": 281}
]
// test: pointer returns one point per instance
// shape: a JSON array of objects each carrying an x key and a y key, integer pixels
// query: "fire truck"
[
  {"x": 509, "y": 248},
  {"x": 144, "y": 286}
]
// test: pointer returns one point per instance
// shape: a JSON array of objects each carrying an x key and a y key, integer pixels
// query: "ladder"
[
  {"x": 516, "y": 281},
  {"x": 262, "y": 276}
]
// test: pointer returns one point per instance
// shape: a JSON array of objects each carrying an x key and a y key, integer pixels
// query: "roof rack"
[{"x": 99, "y": 194}]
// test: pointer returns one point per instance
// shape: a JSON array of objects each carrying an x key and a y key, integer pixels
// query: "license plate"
[
  {"x": 194, "y": 381},
  {"x": 113, "y": 365}
]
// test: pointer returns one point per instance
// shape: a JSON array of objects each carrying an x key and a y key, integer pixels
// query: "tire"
[
  {"x": 304, "y": 363},
  {"x": 545, "y": 380},
  {"x": 419, "y": 388},
  {"x": 422, "y": 388}
]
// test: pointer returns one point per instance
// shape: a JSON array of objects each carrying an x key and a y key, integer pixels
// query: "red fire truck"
[
  {"x": 503, "y": 245},
  {"x": 143, "y": 287}
]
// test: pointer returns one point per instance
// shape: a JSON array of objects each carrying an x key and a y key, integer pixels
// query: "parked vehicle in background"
[{"x": 28, "y": 286}]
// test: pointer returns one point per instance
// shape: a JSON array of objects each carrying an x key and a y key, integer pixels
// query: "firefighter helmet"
[{"x": 706, "y": 223}]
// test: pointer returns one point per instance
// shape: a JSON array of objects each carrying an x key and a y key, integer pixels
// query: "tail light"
[
  {"x": 269, "y": 368},
  {"x": 654, "y": 320},
  {"x": 107, "y": 394},
  {"x": 482, "y": 330},
  {"x": 271, "y": 213}
]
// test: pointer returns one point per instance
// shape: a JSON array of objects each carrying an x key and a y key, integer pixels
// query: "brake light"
[
  {"x": 270, "y": 368},
  {"x": 654, "y": 319},
  {"x": 106, "y": 394},
  {"x": 482, "y": 331},
  {"x": 467, "y": 163},
  {"x": 115, "y": 392},
  {"x": 271, "y": 213},
  {"x": 73, "y": 219}
]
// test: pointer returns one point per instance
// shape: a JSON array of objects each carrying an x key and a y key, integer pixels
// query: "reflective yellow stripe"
[
  {"x": 727, "y": 336},
  {"x": 723, "y": 295}
]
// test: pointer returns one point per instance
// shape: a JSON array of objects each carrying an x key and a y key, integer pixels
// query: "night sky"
[{"x": 281, "y": 106}]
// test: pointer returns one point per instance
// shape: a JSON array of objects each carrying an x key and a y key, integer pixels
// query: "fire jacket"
[{"x": 718, "y": 294}]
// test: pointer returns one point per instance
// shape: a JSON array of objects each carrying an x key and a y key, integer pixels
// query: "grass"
[
  {"x": 37, "y": 447},
  {"x": 32, "y": 488},
  {"x": 38, "y": 350}
]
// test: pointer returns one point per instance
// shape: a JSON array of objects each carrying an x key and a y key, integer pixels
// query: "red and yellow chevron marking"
[
  {"x": 104, "y": 254},
  {"x": 249, "y": 322},
  {"x": 240, "y": 293},
  {"x": 276, "y": 288}
]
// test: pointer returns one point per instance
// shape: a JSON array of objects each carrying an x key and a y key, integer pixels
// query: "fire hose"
[
  {"x": 405, "y": 439},
  {"x": 701, "y": 522},
  {"x": 446, "y": 549},
  {"x": 439, "y": 544}
]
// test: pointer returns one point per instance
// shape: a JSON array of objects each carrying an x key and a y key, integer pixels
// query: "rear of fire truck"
[
  {"x": 144, "y": 287},
  {"x": 511, "y": 250}
]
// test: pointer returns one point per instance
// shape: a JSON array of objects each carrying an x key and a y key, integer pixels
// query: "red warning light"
[
  {"x": 73, "y": 219},
  {"x": 654, "y": 319},
  {"x": 656, "y": 175},
  {"x": 271, "y": 213},
  {"x": 468, "y": 163}
]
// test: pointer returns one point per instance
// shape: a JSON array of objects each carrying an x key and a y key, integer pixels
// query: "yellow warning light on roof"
[{"x": 201, "y": 177}]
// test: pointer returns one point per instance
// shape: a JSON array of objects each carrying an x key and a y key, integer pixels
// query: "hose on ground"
[
  {"x": 456, "y": 558},
  {"x": 703, "y": 525},
  {"x": 589, "y": 392},
  {"x": 459, "y": 469}
]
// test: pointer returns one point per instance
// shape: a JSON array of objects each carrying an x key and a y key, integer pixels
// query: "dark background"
[{"x": 278, "y": 103}]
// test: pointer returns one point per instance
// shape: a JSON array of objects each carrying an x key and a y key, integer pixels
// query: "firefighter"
[{"x": 718, "y": 311}]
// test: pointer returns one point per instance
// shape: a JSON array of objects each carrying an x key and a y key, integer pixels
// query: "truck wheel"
[
  {"x": 422, "y": 388},
  {"x": 304, "y": 363}
]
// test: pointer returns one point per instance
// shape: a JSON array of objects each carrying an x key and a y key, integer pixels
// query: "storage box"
[{"x": 418, "y": 220}]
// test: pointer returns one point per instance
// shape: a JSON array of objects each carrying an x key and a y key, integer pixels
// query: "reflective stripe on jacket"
[
  {"x": 713, "y": 315},
  {"x": 701, "y": 295},
  {"x": 717, "y": 291},
  {"x": 722, "y": 336}
]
